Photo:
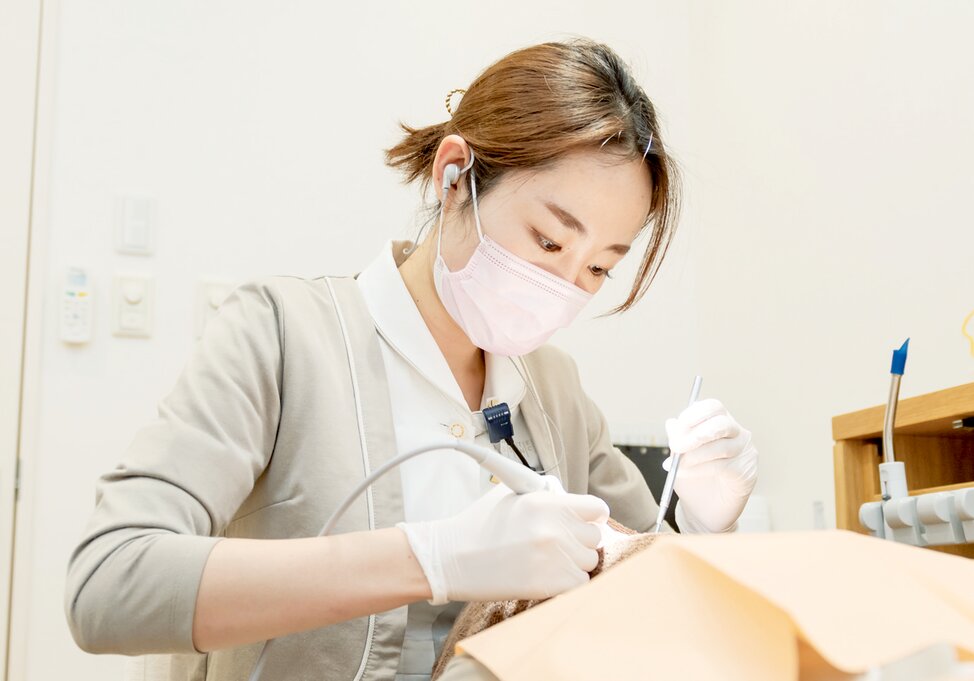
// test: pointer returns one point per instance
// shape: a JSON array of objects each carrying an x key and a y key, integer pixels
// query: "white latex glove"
[
  {"x": 506, "y": 546},
  {"x": 718, "y": 467}
]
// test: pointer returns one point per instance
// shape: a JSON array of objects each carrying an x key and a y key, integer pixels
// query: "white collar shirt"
[{"x": 427, "y": 403}]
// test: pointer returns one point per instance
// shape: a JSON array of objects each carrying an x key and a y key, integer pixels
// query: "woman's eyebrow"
[
  {"x": 574, "y": 224},
  {"x": 567, "y": 219}
]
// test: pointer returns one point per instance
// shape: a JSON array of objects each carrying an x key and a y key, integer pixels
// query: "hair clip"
[
  {"x": 449, "y": 97},
  {"x": 648, "y": 145}
]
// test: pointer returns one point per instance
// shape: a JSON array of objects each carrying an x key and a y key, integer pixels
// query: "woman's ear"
[{"x": 453, "y": 151}]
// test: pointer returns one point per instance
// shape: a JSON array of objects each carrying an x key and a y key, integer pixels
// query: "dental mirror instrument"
[{"x": 664, "y": 500}]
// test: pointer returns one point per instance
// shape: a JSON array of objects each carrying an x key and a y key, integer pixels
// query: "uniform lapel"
[
  {"x": 373, "y": 396},
  {"x": 379, "y": 444},
  {"x": 542, "y": 433}
]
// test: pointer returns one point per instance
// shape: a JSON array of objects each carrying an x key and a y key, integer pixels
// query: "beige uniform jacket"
[{"x": 281, "y": 409}]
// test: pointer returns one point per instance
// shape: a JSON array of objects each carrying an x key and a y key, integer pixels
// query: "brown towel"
[{"x": 479, "y": 615}]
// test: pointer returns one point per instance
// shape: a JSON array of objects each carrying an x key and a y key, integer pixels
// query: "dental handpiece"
[
  {"x": 667, "y": 495},
  {"x": 520, "y": 478}
]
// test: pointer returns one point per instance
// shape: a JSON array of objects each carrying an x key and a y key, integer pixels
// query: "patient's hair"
[
  {"x": 537, "y": 104},
  {"x": 479, "y": 615}
]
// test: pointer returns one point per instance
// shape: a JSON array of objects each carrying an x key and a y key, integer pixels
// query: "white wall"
[
  {"x": 824, "y": 147},
  {"x": 833, "y": 147}
]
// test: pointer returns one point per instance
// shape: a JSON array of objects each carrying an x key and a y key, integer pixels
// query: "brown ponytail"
[
  {"x": 414, "y": 155},
  {"x": 537, "y": 104}
]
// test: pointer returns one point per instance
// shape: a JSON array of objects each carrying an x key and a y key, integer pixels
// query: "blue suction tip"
[{"x": 899, "y": 358}]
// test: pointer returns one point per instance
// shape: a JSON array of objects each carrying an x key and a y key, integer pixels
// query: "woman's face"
[{"x": 576, "y": 218}]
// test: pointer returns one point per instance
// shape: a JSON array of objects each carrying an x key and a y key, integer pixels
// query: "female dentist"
[{"x": 203, "y": 541}]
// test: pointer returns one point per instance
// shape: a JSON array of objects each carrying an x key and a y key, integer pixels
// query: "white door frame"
[{"x": 26, "y": 82}]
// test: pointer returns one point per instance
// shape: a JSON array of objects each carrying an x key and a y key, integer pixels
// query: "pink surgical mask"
[{"x": 505, "y": 304}]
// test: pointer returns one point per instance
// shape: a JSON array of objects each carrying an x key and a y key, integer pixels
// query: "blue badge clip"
[{"x": 498, "y": 419}]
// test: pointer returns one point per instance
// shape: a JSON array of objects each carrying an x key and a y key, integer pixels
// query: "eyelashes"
[{"x": 549, "y": 246}]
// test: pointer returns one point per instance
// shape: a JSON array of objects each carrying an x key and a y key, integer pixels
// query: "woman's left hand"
[{"x": 718, "y": 466}]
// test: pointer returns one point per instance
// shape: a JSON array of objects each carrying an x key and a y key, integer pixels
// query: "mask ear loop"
[{"x": 476, "y": 211}]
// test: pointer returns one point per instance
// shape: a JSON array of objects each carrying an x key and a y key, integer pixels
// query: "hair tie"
[{"x": 449, "y": 97}]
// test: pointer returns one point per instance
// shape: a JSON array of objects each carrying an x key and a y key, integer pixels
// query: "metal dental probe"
[{"x": 664, "y": 501}]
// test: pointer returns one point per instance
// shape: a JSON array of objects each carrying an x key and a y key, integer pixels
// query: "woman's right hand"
[{"x": 509, "y": 546}]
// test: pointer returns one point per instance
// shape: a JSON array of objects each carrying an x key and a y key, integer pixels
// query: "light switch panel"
[
  {"x": 133, "y": 300},
  {"x": 135, "y": 219}
]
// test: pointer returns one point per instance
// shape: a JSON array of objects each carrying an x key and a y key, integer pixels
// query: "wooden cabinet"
[{"x": 937, "y": 456}]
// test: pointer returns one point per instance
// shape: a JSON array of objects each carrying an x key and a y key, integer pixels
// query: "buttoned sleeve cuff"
[{"x": 166, "y": 609}]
